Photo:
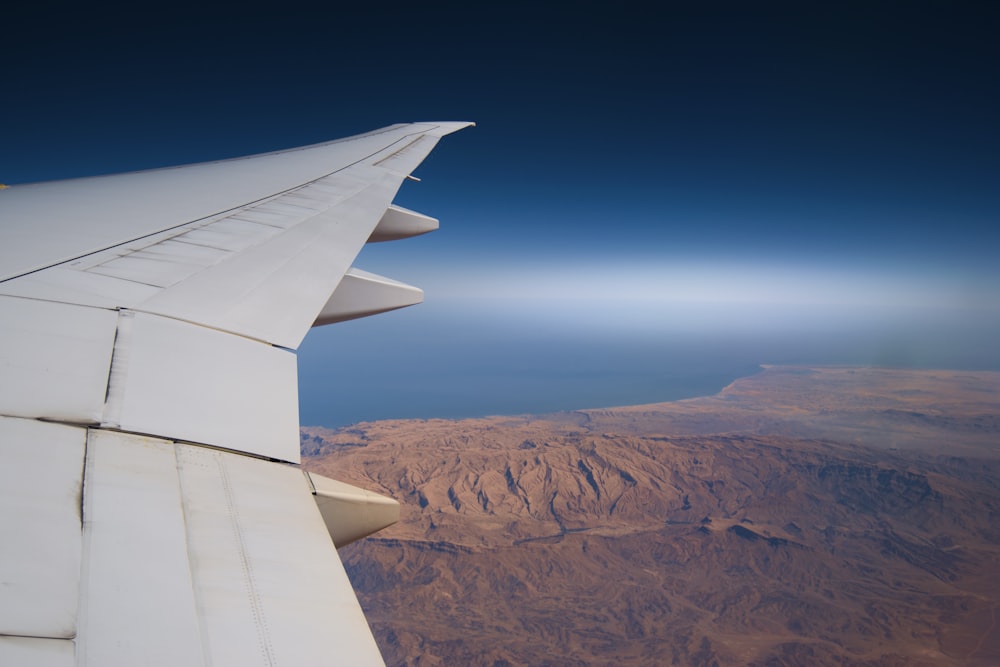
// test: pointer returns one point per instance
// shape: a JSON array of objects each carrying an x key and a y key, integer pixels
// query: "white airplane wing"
[{"x": 152, "y": 510}]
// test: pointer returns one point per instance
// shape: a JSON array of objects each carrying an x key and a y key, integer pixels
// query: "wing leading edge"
[{"x": 152, "y": 501}]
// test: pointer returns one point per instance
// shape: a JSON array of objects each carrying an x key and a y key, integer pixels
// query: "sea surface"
[{"x": 434, "y": 364}]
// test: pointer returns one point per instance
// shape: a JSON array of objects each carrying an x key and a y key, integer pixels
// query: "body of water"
[{"x": 427, "y": 364}]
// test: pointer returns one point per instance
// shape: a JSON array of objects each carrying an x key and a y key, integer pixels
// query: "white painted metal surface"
[
  {"x": 138, "y": 605},
  {"x": 144, "y": 309},
  {"x": 35, "y": 652},
  {"x": 235, "y": 248},
  {"x": 294, "y": 273},
  {"x": 47, "y": 223},
  {"x": 401, "y": 223},
  {"x": 41, "y": 481},
  {"x": 54, "y": 360},
  {"x": 198, "y": 556},
  {"x": 269, "y": 583},
  {"x": 351, "y": 513},
  {"x": 186, "y": 382},
  {"x": 361, "y": 294},
  {"x": 66, "y": 284}
]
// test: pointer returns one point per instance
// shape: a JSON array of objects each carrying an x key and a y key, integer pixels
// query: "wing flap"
[
  {"x": 54, "y": 360},
  {"x": 137, "y": 599},
  {"x": 245, "y": 573},
  {"x": 257, "y": 540},
  {"x": 40, "y": 524},
  {"x": 203, "y": 385}
]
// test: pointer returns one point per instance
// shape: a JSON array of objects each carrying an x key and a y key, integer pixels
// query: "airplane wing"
[{"x": 152, "y": 510}]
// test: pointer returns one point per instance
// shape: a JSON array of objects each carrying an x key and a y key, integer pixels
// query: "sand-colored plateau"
[{"x": 802, "y": 516}]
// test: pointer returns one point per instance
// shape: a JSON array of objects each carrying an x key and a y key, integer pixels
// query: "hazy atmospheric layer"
[{"x": 562, "y": 336}]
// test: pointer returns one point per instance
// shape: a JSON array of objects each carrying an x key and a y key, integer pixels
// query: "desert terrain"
[{"x": 802, "y": 516}]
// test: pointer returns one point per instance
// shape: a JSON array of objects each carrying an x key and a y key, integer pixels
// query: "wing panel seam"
[{"x": 253, "y": 594}]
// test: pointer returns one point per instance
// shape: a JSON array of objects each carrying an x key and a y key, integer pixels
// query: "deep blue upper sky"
[{"x": 780, "y": 170}]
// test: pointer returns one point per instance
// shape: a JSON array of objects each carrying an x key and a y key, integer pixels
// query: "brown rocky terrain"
[{"x": 803, "y": 516}]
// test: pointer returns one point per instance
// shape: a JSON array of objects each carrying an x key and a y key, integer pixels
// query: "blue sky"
[{"x": 649, "y": 206}]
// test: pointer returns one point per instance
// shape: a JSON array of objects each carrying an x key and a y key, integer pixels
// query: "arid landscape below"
[{"x": 802, "y": 516}]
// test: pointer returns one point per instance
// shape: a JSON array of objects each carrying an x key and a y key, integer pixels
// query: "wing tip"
[{"x": 441, "y": 128}]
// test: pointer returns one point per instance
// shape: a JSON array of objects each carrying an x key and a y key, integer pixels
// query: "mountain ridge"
[{"x": 790, "y": 518}]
